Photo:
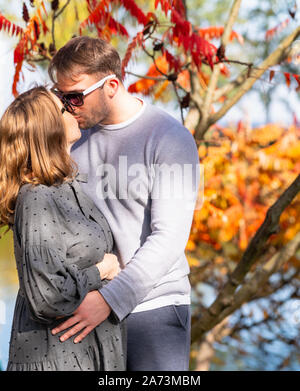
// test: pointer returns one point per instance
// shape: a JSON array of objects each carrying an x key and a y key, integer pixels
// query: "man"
[{"x": 134, "y": 155}]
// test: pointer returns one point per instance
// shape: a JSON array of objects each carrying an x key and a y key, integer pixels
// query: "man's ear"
[{"x": 112, "y": 86}]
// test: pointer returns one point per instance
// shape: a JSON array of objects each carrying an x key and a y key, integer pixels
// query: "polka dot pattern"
[{"x": 59, "y": 236}]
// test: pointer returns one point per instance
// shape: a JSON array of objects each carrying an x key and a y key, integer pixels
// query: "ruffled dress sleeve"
[{"x": 51, "y": 284}]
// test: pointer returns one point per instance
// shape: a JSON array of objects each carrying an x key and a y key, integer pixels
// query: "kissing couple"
[{"x": 103, "y": 278}]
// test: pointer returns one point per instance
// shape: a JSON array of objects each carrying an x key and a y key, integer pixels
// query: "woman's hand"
[{"x": 109, "y": 267}]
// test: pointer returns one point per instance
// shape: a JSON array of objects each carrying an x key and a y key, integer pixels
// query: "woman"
[{"x": 61, "y": 240}]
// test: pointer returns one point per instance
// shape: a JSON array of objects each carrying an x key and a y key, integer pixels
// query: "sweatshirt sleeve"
[
  {"x": 52, "y": 287},
  {"x": 174, "y": 193}
]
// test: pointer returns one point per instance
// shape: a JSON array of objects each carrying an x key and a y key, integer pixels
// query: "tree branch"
[
  {"x": 147, "y": 77},
  {"x": 274, "y": 58},
  {"x": 261, "y": 276},
  {"x": 54, "y": 17},
  {"x": 227, "y": 88},
  {"x": 225, "y": 299},
  {"x": 63, "y": 8},
  {"x": 216, "y": 70},
  {"x": 179, "y": 101}
]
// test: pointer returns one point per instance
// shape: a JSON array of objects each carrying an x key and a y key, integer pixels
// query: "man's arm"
[
  {"x": 172, "y": 209},
  {"x": 171, "y": 218}
]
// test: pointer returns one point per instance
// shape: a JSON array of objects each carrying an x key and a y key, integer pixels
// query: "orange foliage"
[
  {"x": 28, "y": 43},
  {"x": 216, "y": 32},
  {"x": 275, "y": 30},
  {"x": 145, "y": 86},
  {"x": 243, "y": 177}
]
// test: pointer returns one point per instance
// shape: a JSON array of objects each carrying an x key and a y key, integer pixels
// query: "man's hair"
[{"x": 85, "y": 55}]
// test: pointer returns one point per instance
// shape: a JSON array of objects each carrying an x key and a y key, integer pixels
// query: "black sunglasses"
[
  {"x": 69, "y": 100},
  {"x": 76, "y": 99}
]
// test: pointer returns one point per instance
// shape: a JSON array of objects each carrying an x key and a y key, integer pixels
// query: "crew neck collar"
[{"x": 123, "y": 124}]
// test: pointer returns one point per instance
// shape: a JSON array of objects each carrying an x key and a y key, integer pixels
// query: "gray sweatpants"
[{"x": 159, "y": 339}]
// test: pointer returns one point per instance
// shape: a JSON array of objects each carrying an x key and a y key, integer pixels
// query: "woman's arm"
[
  {"x": 54, "y": 289},
  {"x": 52, "y": 286}
]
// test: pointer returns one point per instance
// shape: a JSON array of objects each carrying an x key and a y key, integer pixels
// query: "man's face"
[{"x": 96, "y": 104}]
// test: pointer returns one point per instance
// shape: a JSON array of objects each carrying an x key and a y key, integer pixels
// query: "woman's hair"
[
  {"x": 85, "y": 55},
  {"x": 33, "y": 148}
]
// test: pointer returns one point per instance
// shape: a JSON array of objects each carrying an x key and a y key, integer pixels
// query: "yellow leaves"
[
  {"x": 201, "y": 214},
  {"x": 37, "y": 37},
  {"x": 161, "y": 89},
  {"x": 229, "y": 133},
  {"x": 229, "y": 225},
  {"x": 203, "y": 79},
  {"x": 266, "y": 134},
  {"x": 227, "y": 234},
  {"x": 219, "y": 260},
  {"x": 265, "y": 179},
  {"x": 214, "y": 223},
  {"x": 234, "y": 213},
  {"x": 294, "y": 151},
  {"x": 291, "y": 231},
  {"x": 144, "y": 86},
  {"x": 193, "y": 262},
  {"x": 8, "y": 273},
  {"x": 68, "y": 22},
  {"x": 223, "y": 270},
  {"x": 276, "y": 183},
  {"x": 202, "y": 151},
  {"x": 216, "y": 212},
  {"x": 269, "y": 162},
  {"x": 244, "y": 175},
  {"x": 147, "y": 86},
  {"x": 219, "y": 151},
  {"x": 184, "y": 79},
  {"x": 190, "y": 246},
  {"x": 243, "y": 237}
]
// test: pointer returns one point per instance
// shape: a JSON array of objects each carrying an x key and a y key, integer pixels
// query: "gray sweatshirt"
[{"x": 144, "y": 175}]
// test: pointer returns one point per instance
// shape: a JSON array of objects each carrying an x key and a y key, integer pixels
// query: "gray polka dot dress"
[{"x": 59, "y": 236}]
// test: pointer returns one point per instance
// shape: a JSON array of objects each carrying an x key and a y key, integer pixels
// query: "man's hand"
[{"x": 92, "y": 311}]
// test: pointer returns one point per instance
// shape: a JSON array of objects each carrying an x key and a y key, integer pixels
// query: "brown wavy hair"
[{"x": 33, "y": 148}]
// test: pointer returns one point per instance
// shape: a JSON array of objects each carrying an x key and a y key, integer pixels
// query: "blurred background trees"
[{"x": 199, "y": 59}]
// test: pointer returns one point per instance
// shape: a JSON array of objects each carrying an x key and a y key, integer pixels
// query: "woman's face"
[{"x": 72, "y": 129}]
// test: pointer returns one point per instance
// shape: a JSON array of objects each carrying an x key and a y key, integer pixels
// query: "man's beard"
[
  {"x": 86, "y": 124},
  {"x": 93, "y": 119}
]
